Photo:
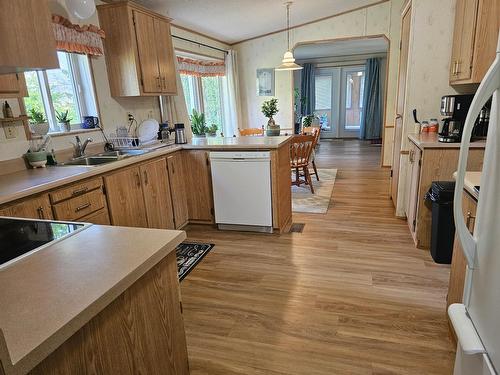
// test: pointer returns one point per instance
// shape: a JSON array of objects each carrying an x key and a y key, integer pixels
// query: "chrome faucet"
[{"x": 79, "y": 148}]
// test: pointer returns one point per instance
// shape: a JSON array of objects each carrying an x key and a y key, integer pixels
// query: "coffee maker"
[{"x": 454, "y": 108}]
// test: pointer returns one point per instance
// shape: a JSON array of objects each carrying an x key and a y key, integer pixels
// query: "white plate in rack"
[{"x": 148, "y": 130}]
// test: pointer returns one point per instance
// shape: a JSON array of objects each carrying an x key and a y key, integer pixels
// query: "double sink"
[{"x": 104, "y": 157}]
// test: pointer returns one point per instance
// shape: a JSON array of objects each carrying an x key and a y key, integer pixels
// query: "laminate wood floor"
[{"x": 349, "y": 295}]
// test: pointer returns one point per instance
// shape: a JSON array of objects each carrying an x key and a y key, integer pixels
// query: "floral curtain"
[
  {"x": 200, "y": 68},
  {"x": 86, "y": 39}
]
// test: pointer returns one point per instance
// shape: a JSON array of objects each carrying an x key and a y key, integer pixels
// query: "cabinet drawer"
[
  {"x": 78, "y": 207},
  {"x": 75, "y": 190},
  {"x": 100, "y": 217}
]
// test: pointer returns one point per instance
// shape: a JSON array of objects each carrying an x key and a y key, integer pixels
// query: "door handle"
[
  {"x": 41, "y": 213},
  {"x": 398, "y": 116},
  {"x": 470, "y": 219}
]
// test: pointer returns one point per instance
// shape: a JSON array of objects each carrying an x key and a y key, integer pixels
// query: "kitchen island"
[
  {"x": 174, "y": 182},
  {"x": 104, "y": 300}
]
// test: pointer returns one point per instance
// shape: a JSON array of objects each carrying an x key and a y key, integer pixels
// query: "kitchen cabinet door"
[
  {"x": 463, "y": 39},
  {"x": 198, "y": 186},
  {"x": 31, "y": 208},
  {"x": 13, "y": 84},
  {"x": 415, "y": 166},
  {"x": 178, "y": 189},
  {"x": 165, "y": 57},
  {"x": 148, "y": 52},
  {"x": 125, "y": 198},
  {"x": 157, "y": 198}
]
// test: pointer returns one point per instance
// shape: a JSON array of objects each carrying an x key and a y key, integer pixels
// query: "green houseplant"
[
  {"x": 198, "y": 124},
  {"x": 38, "y": 123},
  {"x": 63, "y": 120},
  {"x": 269, "y": 109},
  {"x": 211, "y": 131}
]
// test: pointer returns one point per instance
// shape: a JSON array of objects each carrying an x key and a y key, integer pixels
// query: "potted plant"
[
  {"x": 63, "y": 120},
  {"x": 212, "y": 130},
  {"x": 269, "y": 109},
  {"x": 198, "y": 124},
  {"x": 38, "y": 123}
]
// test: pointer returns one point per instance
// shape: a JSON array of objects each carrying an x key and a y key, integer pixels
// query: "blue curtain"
[
  {"x": 307, "y": 89},
  {"x": 371, "y": 122}
]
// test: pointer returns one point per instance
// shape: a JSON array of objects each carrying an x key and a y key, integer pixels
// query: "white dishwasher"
[{"x": 242, "y": 190}]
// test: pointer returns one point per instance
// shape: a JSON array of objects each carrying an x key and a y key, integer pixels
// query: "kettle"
[{"x": 180, "y": 135}]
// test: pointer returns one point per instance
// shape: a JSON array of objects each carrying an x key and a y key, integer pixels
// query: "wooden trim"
[
  {"x": 134, "y": 6},
  {"x": 197, "y": 53},
  {"x": 311, "y": 22},
  {"x": 201, "y": 34}
]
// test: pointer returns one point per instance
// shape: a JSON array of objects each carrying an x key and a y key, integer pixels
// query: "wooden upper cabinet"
[
  {"x": 31, "y": 208},
  {"x": 28, "y": 41},
  {"x": 138, "y": 50},
  {"x": 475, "y": 39},
  {"x": 13, "y": 84},
  {"x": 156, "y": 190}
]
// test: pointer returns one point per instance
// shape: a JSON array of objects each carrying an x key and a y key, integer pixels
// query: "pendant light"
[
  {"x": 288, "y": 62},
  {"x": 81, "y": 9}
]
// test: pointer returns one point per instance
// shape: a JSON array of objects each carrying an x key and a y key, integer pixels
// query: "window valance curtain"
[
  {"x": 200, "y": 68},
  {"x": 86, "y": 39}
]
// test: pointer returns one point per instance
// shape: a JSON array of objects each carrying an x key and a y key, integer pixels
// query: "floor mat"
[
  {"x": 189, "y": 254},
  {"x": 304, "y": 201}
]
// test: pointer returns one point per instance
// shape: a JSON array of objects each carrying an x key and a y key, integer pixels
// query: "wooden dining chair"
[
  {"x": 315, "y": 131},
  {"x": 251, "y": 132},
  {"x": 301, "y": 147}
]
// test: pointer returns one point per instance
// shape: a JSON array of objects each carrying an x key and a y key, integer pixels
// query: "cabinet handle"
[
  {"x": 158, "y": 81},
  {"x": 411, "y": 156},
  {"x": 146, "y": 177},
  {"x": 82, "y": 207},
  {"x": 164, "y": 81},
  {"x": 80, "y": 191},
  {"x": 138, "y": 179},
  {"x": 470, "y": 219},
  {"x": 41, "y": 214},
  {"x": 458, "y": 66}
]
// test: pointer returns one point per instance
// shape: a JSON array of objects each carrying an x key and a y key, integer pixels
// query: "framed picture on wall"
[{"x": 265, "y": 82}]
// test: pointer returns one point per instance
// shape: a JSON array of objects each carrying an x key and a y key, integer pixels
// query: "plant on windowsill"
[
  {"x": 212, "y": 130},
  {"x": 38, "y": 123},
  {"x": 63, "y": 120},
  {"x": 198, "y": 124},
  {"x": 269, "y": 109}
]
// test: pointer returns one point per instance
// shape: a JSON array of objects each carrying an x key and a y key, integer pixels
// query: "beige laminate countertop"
[
  {"x": 49, "y": 295},
  {"x": 21, "y": 184},
  {"x": 471, "y": 179},
  {"x": 430, "y": 140}
]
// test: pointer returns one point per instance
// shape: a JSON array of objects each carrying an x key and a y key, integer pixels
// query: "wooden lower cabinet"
[
  {"x": 31, "y": 208},
  {"x": 140, "y": 332},
  {"x": 100, "y": 217},
  {"x": 125, "y": 198},
  {"x": 156, "y": 190},
  {"x": 459, "y": 262},
  {"x": 178, "y": 189},
  {"x": 198, "y": 185}
]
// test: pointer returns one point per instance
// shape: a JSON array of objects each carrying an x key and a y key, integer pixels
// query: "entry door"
[
  {"x": 327, "y": 100},
  {"x": 351, "y": 110},
  {"x": 398, "y": 130}
]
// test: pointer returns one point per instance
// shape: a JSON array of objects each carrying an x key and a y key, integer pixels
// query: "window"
[
  {"x": 323, "y": 92},
  {"x": 68, "y": 88},
  {"x": 205, "y": 95}
]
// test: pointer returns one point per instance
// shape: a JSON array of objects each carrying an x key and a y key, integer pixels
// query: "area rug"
[
  {"x": 189, "y": 254},
  {"x": 304, "y": 201}
]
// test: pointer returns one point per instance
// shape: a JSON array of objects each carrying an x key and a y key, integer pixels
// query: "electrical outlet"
[
  {"x": 130, "y": 117},
  {"x": 10, "y": 131}
]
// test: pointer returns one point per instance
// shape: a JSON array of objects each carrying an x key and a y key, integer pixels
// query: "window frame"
[{"x": 84, "y": 90}]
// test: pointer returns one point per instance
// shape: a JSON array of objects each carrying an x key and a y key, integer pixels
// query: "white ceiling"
[
  {"x": 367, "y": 46},
  {"x": 234, "y": 20}
]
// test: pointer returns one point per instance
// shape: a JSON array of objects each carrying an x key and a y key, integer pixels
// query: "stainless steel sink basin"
[{"x": 104, "y": 157}]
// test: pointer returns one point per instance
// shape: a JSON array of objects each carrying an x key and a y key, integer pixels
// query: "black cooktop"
[{"x": 18, "y": 236}]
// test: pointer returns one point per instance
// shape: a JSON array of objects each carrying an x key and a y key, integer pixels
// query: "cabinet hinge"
[
  {"x": 133, "y": 19},
  {"x": 104, "y": 189},
  {"x": 414, "y": 223},
  {"x": 180, "y": 303},
  {"x": 207, "y": 161},
  {"x": 212, "y": 211},
  {"x": 142, "y": 82},
  {"x": 400, "y": 45},
  {"x": 420, "y": 162},
  {"x": 391, "y": 172}
]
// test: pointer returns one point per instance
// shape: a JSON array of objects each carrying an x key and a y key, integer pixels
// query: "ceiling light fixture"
[
  {"x": 288, "y": 62},
  {"x": 81, "y": 9}
]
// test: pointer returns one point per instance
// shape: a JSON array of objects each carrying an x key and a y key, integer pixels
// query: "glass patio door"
[
  {"x": 351, "y": 113},
  {"x": 327, "y": 96}
]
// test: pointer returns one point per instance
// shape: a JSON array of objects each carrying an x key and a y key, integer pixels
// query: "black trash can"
[{"x": 443, "y": 225}]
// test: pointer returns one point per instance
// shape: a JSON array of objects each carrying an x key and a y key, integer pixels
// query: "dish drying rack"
[{"x": 132, "y": 142}]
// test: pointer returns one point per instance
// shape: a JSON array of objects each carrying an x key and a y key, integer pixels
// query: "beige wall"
[
  {"x": 113, "y": 111},
  {"x": 427, "y": 80},
  {"x": 267, "y": 52}
]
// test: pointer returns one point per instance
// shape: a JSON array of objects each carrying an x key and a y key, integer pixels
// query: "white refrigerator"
[{"x": 477, "y": 320}]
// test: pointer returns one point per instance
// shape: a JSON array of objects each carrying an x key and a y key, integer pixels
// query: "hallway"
[{"x": 349, "y": 295}]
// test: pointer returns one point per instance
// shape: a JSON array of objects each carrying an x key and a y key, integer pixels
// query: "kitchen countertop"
[
  {"x": 49, "y": 295},
  {"x": 430, "y": 140},
  {"x": 472, "y": 179},
  {"x": 21, "y": 184}
]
